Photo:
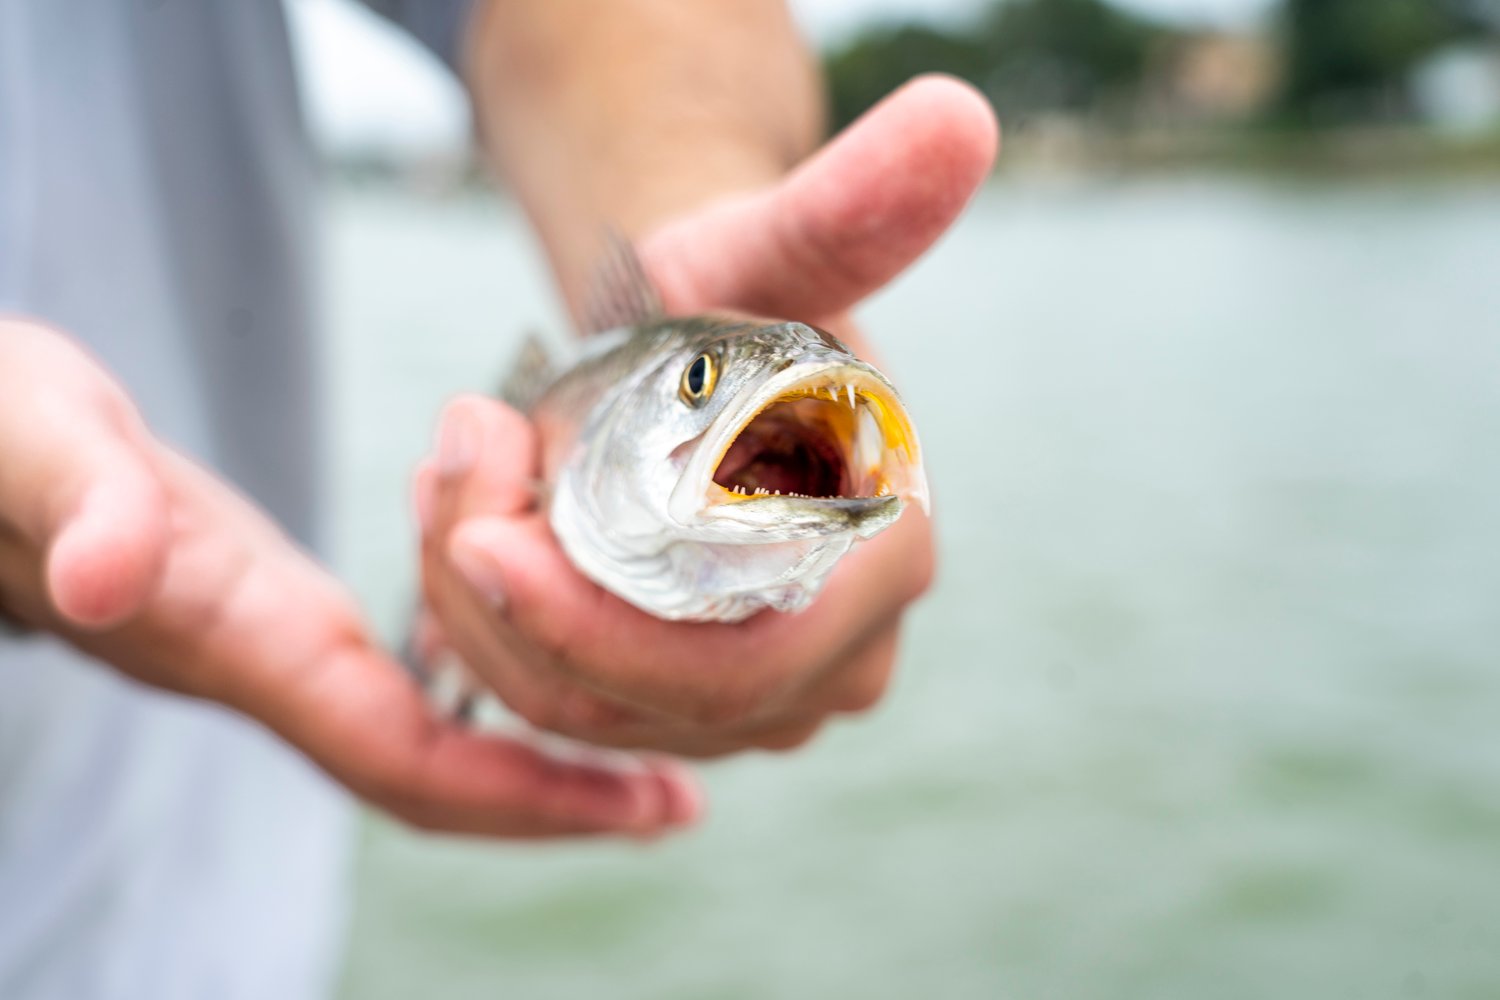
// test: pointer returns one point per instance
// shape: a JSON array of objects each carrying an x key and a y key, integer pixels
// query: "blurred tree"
[
  {"x": 1352, "y": 59},
  {"x": 1026, "y": 55},
  {"x": 1066, "y": 55},
  {"x": 1343, "y": 60},
  {"x": 883, "y": 57}
]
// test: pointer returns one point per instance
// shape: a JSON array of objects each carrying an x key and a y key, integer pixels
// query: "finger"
[
  {"x": 844, "y": 223},
  {"x": 496, "y": 478},
  {"x": 712, "y": 673},
  {"x": 485, "y": 462},
  {"x": 424, "y": 494},
  {"x": 108, "y": 553},
  {"x": 78, "y": 481},
  {"x": 486, "y": 456},
  {"x": 356, "y": 715},
  {"x": 428, "y": 641},
  {"x": 853, "y": 685},
  {"x": 523, "y": 678}
]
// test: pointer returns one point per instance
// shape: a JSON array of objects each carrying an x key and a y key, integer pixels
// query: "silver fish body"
[{"x": 709, "y": 467}]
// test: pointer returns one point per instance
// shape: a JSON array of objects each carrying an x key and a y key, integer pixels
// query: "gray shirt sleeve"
[{"x": 437, "y": 24}]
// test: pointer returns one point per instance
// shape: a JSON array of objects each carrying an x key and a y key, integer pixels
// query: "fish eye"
[{"x": 698, "y": 379}]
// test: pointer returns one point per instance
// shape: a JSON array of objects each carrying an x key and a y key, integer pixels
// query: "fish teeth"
[{"x": 850, "y": 387}]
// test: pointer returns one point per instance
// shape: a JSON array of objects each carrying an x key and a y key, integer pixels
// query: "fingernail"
[
  {"x": 458, "y": 442},
  {"x": 647, "y": 809},
  {"x": 683, "y": 792},
  {"x": 479, "y": 570}
]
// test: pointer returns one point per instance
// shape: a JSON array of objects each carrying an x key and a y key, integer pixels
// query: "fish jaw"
[
  {"x": 699, "y": 579},
  {"x": 834, "y": 427},
  {"x": 806, "y": 517}
]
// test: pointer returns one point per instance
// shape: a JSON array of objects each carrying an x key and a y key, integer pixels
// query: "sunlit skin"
[
  {"x": 676, "y": 121},
  {"x": 148, "y": 562},
  {"x": 572, "y": 658}
]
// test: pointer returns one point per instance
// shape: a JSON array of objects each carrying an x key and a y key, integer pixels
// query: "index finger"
[
  {"x": 709, "y": 672},
  {"x": 356, "y": 714}
]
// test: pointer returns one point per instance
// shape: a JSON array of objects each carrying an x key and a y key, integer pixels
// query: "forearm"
[{"x": 624, "y": 113}]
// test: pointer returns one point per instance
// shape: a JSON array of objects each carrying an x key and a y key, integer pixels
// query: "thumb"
[
  {"x": 76, "y": 480},
  {"x": 845, "y": 222}
]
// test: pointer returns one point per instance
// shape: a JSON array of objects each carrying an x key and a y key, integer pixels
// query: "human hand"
[
  {"x": 569, "y": 656},
  {"x": 147, "y": 562}
]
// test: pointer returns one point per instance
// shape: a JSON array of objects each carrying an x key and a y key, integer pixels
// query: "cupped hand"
[
  {"x": 147, "y": 562},
  {"x": 572, "y": 658}
]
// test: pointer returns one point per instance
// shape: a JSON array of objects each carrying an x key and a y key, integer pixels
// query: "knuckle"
[
  {"x": 862, "y": 698},
  {"x": 864, "y": 690},
  {"x": 552, "y": 637},
  {"x": 740, "y": 702},
  {"x": 923, "y": 572},
  {"x": 508, "y": 422},
  {"x": 114, "y": 405},
  {"x": 537, "y": 712},
  {"x": 394, "y": 792},
  {"x": 415, "y": 819},
  {"x": 724, "y": 710},
  {"x": 789, "y": 739},
  {"x": 705, "y": 751},
  {"x": 584, "y": 712}
]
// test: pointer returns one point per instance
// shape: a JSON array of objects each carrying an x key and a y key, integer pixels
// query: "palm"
[
  {"x": 148, "y": 562},
  {"x": 574, "y": 658}
]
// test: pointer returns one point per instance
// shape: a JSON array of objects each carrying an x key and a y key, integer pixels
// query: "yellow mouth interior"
[{"x": 819, "y": 441}]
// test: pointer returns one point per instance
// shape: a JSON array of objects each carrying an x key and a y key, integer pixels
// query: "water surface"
[{"x": 1206, "y": 702}]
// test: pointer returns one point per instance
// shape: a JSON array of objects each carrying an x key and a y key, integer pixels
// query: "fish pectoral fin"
[{"x": 529, "y": 374}]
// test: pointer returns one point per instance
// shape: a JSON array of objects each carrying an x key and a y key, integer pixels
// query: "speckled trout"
[{"x": 704, "y": 468}]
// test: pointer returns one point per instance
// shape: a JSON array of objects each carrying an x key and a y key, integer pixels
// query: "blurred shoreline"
[
  {"x": 1062, "y": 147},
  {"x": 1342, "y": 154},
  {"x": 1202, "y": 703}
]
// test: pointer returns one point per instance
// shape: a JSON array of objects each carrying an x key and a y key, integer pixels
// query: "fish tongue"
[
  {"x": 772, "y": 476},
  {"x": 784, "y": 456}
]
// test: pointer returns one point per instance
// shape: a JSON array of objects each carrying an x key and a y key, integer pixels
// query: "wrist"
[{"x": 624, "y": 117}]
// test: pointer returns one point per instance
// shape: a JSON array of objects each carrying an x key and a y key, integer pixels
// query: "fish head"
[
  {"x": 749, "y": 456},
  {"x": 798, "y": 439}
]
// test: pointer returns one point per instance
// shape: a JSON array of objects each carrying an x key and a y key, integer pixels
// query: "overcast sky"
[{"x": 367, "y": 86}]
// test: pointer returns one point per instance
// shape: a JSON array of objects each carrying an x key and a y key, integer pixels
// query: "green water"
[{"x": 1206, "y": 702}]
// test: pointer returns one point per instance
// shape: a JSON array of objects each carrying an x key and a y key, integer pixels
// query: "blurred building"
[
  {"x": 1215, "y": 76},
  {"x": 1458, "y": 89}
]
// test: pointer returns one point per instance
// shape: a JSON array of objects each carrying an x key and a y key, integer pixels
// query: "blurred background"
[{"x": 1204, "y": 702}]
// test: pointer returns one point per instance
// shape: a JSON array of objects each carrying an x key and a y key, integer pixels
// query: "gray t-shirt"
[{"x": 156, "y": 203}]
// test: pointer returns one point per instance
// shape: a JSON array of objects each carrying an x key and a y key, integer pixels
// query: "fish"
[{"x": 708, "y": 467}]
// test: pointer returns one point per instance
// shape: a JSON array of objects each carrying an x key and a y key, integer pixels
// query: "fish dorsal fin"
[
  {"x": 619, "y": 294},
  {"x": 529, "y": 374}
]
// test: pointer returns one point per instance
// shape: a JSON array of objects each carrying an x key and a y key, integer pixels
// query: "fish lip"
[
  {"x": 812, "y": 517},
  {"x": 688, "y": 503}
]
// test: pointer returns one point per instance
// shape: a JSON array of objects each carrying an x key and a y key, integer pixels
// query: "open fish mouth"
[{"x": 827, "y": 442}]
